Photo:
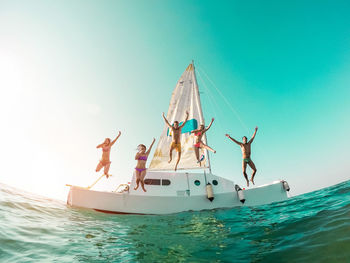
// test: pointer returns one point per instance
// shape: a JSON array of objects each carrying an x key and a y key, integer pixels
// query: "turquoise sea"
[{"x": 314, "y": 227}]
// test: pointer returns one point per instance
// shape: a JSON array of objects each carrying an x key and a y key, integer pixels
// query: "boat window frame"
[
  {"x": 156, "y": 181},
  {"x": 166, "y": 182},
  {"x": 152, "y": 181}
]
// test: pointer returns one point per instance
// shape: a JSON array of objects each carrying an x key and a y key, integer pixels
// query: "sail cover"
[{"x": 185, "y": 97}]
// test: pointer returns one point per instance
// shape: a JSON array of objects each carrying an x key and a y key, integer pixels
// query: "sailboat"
[{"x": 193, "y": 187}]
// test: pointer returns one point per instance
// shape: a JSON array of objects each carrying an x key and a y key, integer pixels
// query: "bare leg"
[
  {"x": 170, "y": 154},
  {"x": 137, "y": 184},
  {"x": 178, "y": 159},
  {"x": 207, "y": 147},
  {"x": 252, "y": 165},
  {"x": 244, "y": 168},
  {"x": 99, "y": 167},
  {"x": 142, "y": 177},
  {"x": 196, "y": 151},
  {"x": 106, "y": 169},
  {"x": 137, "y": 180}
]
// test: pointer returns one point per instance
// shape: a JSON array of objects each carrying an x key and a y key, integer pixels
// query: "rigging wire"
[
  {"x": 212, "y": 101},
  {"x": 229, "y": 105},
  {"x": 226, "y": 101}
]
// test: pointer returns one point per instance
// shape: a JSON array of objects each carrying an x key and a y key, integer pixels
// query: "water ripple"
[{"x": 314, "y": 227}]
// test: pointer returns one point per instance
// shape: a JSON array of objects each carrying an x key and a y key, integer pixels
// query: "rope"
[{"x": 89, "y": 187}]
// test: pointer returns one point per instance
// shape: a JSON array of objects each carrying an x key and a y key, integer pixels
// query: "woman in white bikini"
[
  {"x": 140, "y": 169},
  {"x": 106, "y": 151}
]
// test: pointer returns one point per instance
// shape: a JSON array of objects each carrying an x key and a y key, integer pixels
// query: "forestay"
[{"x": 185, "y": 97}]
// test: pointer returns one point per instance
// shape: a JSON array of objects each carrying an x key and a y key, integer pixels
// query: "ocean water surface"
[{"x": 314, "y": 227}]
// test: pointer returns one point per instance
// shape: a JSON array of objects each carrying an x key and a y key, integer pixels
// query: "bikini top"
[
  {"x": 198, "y": 133},
  {"x": 142, "y": 158},
  {"x": 106, "y": 149}
]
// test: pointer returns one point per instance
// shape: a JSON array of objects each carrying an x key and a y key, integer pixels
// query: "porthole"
[
  {"x": 215, "y": 182},
  {"x": 197, "y": 182}
]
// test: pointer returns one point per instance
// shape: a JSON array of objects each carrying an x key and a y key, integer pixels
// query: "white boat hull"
[{"x": 181, "y": 195}]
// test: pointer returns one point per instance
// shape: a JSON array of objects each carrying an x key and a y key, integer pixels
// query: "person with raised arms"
[
  {"x": 199, "y": 143},
  {"x": 140, "y": 169},
  {"x": 246, "y": 152},
  {"x": 106, "y": 151},
  {"x": 176, "y": 138}
]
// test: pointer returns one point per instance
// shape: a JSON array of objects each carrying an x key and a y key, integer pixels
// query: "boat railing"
[{"x": 122, "y": 188}]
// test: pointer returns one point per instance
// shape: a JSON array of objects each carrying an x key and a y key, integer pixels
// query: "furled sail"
[{"x": 185, "y": 97}]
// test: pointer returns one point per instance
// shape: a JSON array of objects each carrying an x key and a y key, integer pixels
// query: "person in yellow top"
[
  {"x": 176, "y": 135},
  {"x": 106, "y": 151}
]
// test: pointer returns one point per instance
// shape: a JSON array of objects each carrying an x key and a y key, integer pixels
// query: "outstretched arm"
[
  {"x": 228, "y": 136},
  {"x": 183, "y": 124},
  {"x": 252, "y": 139},
  {"x": 166, "y": 121},
  {"x": 209, "y": 125},
  {"x": 100, "y": 145},
  {"x": 116, "y": 138},
  {"x": 150, "y": 147}
]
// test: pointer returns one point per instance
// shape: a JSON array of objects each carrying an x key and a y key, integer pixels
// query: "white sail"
[{"x": 185, "y": 97}]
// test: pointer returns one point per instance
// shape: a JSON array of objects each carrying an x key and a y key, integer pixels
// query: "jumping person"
[
  {"x": 246, "y": 151},
  {"x": 199, "y": 143},
  {"x": 140, "y": 169},
  {"x": 176, "y": 134},
  {"x": 106, "y": 151}
]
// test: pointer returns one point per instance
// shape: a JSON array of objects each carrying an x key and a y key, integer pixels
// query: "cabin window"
[
  {"x": 149, "y": 181},
  {"x": 197, "y": 182},
  {"x": 215, "y": 182},
  {"x": 152, "y": 181},
  {"x": 165, "y": 182}
]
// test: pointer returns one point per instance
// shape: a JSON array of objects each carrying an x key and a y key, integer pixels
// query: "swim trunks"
[
  {"x": 176, "y": 146},
  {"x": 246, "y": 160}
]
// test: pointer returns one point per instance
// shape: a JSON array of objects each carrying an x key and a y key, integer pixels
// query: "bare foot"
[
  {"x": 144, "y": 189},
  {"x": 135, "y": 188},
  {"x": 214, "y": 151},
  {"x": 175, "y": 168},
  {"x": 169, "y": 161},
  {"x": 252, "y": 180}
]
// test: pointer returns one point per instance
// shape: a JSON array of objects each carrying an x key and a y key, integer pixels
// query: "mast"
[{"x": 201, "y": 111}]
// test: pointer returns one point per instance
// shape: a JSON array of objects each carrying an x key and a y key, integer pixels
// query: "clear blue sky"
[{"x": 75, "y": 72}]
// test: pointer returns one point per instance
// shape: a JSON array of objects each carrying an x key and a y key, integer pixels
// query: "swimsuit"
[
  {"x": 140, "y": 169},
  {"x": 176, "y": 146},
  {"x": 142, "y": 158},
  {"x": 106, "y": 149},
  {"x": 246, "y": 160},
  {"x": 198, "y": 144}
]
